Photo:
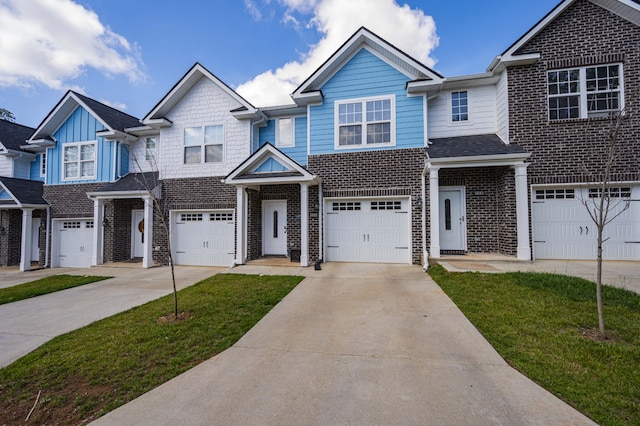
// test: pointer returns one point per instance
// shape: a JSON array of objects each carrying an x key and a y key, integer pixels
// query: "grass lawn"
[
  {"x": 44, "y": 286},
  {"x": 88, "y": 372},
  {"x": 542, "y": 324}
]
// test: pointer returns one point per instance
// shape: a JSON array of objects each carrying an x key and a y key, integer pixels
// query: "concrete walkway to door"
[{"x": 353, "y": 344}]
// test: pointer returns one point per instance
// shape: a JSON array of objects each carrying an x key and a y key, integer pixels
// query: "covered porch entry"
[{"x": 278, "y": 208}]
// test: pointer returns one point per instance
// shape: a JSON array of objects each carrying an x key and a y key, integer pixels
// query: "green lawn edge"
[
  {"x": 88, "y": 372},
  {"x": 45, "y": 285},
  {"x": 539, "y": 322}
]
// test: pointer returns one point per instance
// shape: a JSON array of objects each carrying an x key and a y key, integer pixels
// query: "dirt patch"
[
  {"x": 594, "y": 334},
  {"x": 171, "y": 318}
]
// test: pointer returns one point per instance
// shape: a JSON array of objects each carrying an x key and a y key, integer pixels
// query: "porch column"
[
  {"x": 304, "y": 224},
  {"x": 522, "y": 211},
  {"x": 98, "y": 232},
  {"x": 27, "y": 237},
  {"x": 147, "y": 256},
  {"x": 434, "y": 211},
  {"x": 241, "y": 243}
]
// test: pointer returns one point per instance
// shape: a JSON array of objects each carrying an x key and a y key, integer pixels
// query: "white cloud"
[
  {"x": 408, "y": 29},
  {"x": 53, "y": 41}
]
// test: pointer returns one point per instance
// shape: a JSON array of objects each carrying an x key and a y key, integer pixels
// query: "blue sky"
[{"x": 129, "y": 53}]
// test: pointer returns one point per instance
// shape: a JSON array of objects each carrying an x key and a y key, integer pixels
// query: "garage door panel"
[
  {"x": 371, "y": 231},
  {"x": 75, "y": 243},
  {"x": 204, "y": 238},
  {"x": 563, "y": 229}
]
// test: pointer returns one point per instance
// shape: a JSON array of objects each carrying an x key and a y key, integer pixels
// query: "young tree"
[
  {"x": 7, "y": 115},
  {"x": 605, "y": 201}
]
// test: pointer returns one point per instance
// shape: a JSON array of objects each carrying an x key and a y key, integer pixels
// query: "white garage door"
[
  {"x": 368, "y": 230},
  {"x": 563, "y": 229},
  {"x": 75, "y": 243},
  {"x": 203, "y": 238}
]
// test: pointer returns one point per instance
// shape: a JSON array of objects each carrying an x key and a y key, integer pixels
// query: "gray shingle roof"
[
  {"x": 26, "y": 191},
  {"x": 13, "y": 135},
  {"x": 132, "y": 182},
  {"x": 116, "y": 119},
  {"x": 471, "y": 146}
]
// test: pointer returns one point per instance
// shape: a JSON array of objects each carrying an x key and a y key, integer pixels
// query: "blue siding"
[
  {"x": 365, "y": 75},
  {"x": 79, "y": 127},
  {"x": 271, "y": 165},
  {"x": 34, "y": 169},
  {"x": 298, "y": 152},
  {"x": 124, "y": 159},
  {"x": 4, "y": 195}
]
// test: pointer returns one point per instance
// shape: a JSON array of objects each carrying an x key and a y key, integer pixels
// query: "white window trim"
[
  {"x": 582, "y": 93},
  {"x": 450, "y": 100},
  {"x": 279, "y": 144},
  {"x": 202, "y": 145},
  {"x": 95, "y": 161},
  {"x": 363, "y": 145}
]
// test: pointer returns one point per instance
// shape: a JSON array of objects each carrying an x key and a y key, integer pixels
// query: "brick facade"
[
  {"x": 375, "y": 173},
  {"x": 569, "y": 151}
]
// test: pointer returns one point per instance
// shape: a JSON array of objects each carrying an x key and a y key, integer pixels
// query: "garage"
[
  {"x": 563, "y": 229},
  {"x": 368, "y": 230},
  {"x": 203, "y": 238},
  {"x": 74, "y": 243}
]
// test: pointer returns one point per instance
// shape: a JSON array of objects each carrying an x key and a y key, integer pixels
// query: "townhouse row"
[{"x": 377, "y": 159}]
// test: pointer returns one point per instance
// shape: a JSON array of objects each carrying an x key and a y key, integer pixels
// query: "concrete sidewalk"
[
  {"x": 29, "y": 323},
  {"x": 353, "y": 344}
]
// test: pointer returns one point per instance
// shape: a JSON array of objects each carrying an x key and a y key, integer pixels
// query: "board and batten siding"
[
  {"x": 298, "y": 152},
  {"x": 482, "y": 114},
  {"x": 366, "y": 75},
  {"x": 81, "y": 126},
  {"x": 34, "y": 168}
]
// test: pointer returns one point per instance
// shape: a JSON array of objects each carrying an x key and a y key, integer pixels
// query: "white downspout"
[{"x": 46, "y": 243}]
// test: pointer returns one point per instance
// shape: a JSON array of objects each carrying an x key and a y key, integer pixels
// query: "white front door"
[
  {"x": 274, "y": 227},
  {"x": 452, "y": 219},
  {"x": 137, "y": 233},
  {"x": 35, "y": 239}
]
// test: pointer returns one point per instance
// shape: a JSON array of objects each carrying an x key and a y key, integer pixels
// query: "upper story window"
[
  {"x": 459, "y": 106},
  {"x": 150, "y": 149},
  {"x": 79, "y": 160},
  {"x": 284, "y": 132},
  {"x": 585, "y": 92},
  {"x": 365, "y": 122},
  {"x": 43, "y": 163},
  {"x": 204, "y": 144}
]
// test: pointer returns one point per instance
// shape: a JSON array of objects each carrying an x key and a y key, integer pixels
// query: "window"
[
  {"x": 614, "y": 192},
  {"x": 203, "y": 144},
  {"x": 386, "y": 205},
  {"x": 366, "y": 122},
  {"x": 221, "y": 217},
  {"x": 459, "y": 106},
  {"x": 191, "y": 217},
  {"x": 284, "y": 136},
  {"x": 150, "y": 149},
  {"x": 79, "y": 161},
  {"x": 43, "y": 163},
  {"x": 585, "y": 92},
  {"x": 346, "y": 206},
  {"x": 555, "y": 194}
]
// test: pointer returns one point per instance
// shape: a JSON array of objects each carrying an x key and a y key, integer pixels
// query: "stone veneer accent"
[
  {"x": 395, "y": 172},
  {"x": 569, "y": 151}
]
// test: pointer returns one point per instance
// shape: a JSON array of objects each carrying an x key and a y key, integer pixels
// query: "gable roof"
[
  {"x": 158, "y": 113},
  {"x": 114, "y": 121},
  {"x": 13, "y": 135},
  {"x": 626, "y": 9},
  {"x": 409, "y": 66},
  {"x": 23, "y": 192},
  {"x": 249, "y": 172}
]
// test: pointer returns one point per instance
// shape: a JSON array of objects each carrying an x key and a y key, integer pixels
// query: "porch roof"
[
  {"x": 474, "y": 151},
  {"x": 25, "y": 193},
  {"x": 129, "y": 186}
]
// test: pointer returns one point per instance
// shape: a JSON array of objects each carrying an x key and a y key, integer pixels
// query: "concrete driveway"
[
  {"x": 353, "y": 344},
  {"x": 29, "y": 323}
]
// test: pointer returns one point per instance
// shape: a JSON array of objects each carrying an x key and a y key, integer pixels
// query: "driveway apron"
[
  {"x": 353, "y": 344},
  {"x": 29, "y": 323}
]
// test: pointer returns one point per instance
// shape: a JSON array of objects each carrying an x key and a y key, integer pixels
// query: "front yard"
[
  {"x": 81, "y": 375},
  {"x": 543, "y": 325}
]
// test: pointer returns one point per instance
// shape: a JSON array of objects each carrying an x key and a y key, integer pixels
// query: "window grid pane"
[
  {"x": 459, "y": 106},
  {"x": 350, "y": 135}
]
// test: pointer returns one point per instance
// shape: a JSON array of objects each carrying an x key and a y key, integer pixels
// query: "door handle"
[
  {"x": 587, "y": 229},
  {"x": 581, "y": 230}
]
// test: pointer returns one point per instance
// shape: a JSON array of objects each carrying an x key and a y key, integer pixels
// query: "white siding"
[
  {"x": 137, "y": 158},
  {"x": 205, "y": 104},
  {"x": 482, "y": 114},
  {"x": 6, "y": 166},
  {"x": 22, "y": 168},
  {"x": 502, "y": 107}
]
